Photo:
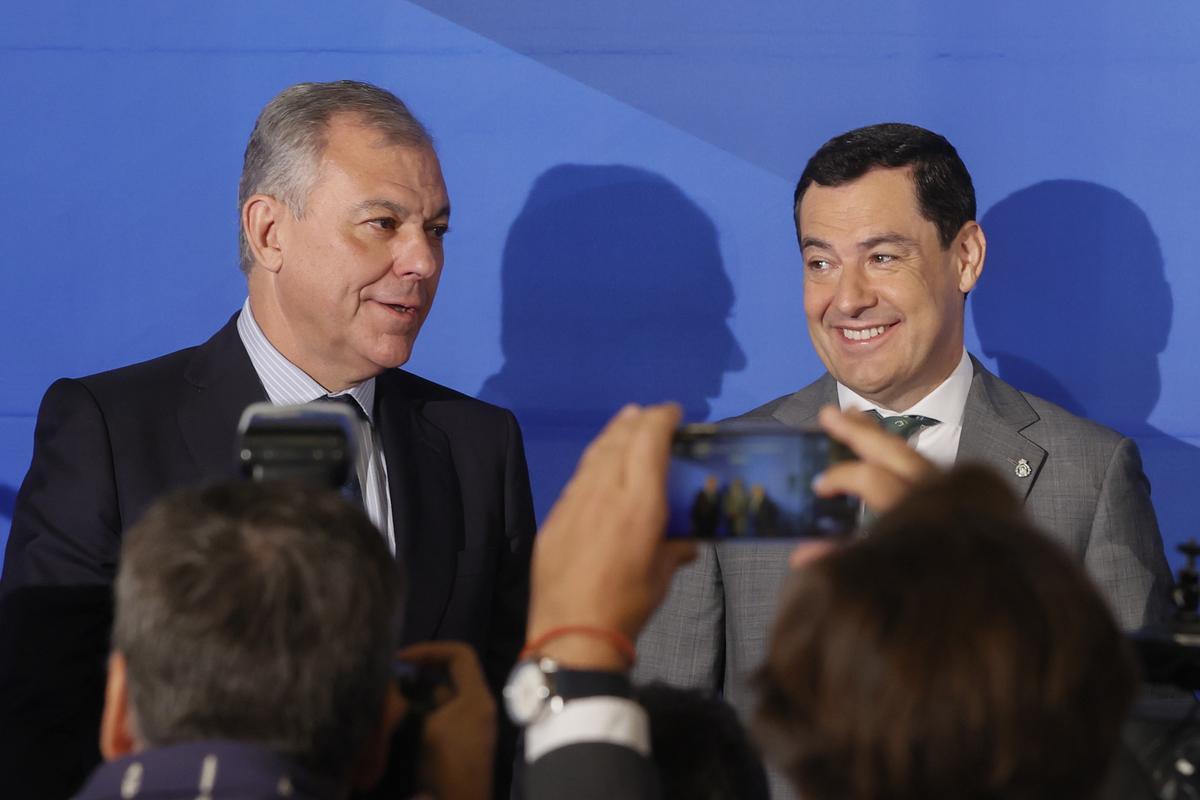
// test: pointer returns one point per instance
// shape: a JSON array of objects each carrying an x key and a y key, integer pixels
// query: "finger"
[
  {"x": 649, "y": 447},
  {"x": 459, "y": 660},
  {"x": 601, "y": 462},
  {"x": 875, "y": 486},
  {"x": 670, "y": 557},
  {"x": 808, "y": 552},
  {"x": 873, "y": 444},
  {"x": 431, "y": 652},
  {"x": 680, "y": 552},
  {"x": 613, "y": 438}
]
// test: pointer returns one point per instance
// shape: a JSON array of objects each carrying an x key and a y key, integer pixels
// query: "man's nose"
[
  {"x": 416, "y": 254},
  {"x": 854, "y": 292}
]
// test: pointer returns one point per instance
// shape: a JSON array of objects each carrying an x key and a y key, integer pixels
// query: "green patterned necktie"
[{"x": 903, "y": 425}]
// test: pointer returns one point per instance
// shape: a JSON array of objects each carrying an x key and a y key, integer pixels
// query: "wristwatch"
[{"x": 540, "y": 686}]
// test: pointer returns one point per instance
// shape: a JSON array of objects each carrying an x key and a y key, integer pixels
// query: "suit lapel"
[
  {"x": 993, "y": 419},
  {"x": 426, "y": 505},
  {"x": 221, "y": 382},
  {"x": 800, "y": 408}
]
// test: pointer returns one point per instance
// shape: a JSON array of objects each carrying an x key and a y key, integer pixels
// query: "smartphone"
[
  {"x": 752, "y": 480},
  {"x": 310, "y": 442},
  {"x": 418, "y": 683}
]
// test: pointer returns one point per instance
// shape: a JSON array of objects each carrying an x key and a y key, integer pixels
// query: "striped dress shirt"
[{"x": 287, "y": 384}]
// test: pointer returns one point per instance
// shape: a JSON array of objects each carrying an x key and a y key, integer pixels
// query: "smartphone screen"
[{"x": 751, "y": 481}]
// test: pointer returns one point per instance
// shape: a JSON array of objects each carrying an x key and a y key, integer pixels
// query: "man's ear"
[
  {"x": 970, "y": 249},
  {"x": 261, "y": 218},
  {"x": 372, "y": 760},
  {"x": 116, "y": 725}
]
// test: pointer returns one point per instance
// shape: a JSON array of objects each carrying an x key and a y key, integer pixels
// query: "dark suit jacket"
[
  {"x": 251, "y": 772},
  {"x": 107, "y": 445},
  {"x": 591, "y": 771},
  {"x": 237, "y": 771}
]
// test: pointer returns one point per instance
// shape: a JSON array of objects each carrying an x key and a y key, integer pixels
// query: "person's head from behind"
[
  {"x": 258, "y": 613},
  {"x": 343, "y": 209},
  {"x": 956, "y": 653},
  {"x": 700, "y": 748},
  {"x": 885, "y": 217}
]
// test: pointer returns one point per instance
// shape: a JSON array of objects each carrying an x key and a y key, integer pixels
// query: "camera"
[{"x": 313, "y": 442}]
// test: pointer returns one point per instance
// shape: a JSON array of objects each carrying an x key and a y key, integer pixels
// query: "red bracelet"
[{"x": 617, "y": 639}]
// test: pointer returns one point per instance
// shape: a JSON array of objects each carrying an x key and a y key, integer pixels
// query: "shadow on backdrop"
[
  {"x": 8, "y": 499},
  {"x": 1074, "y": 306},
  {"x": 613, "y": 291}
]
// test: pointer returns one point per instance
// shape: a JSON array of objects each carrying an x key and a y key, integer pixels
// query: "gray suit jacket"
[{"x": 1086, "y": 489}]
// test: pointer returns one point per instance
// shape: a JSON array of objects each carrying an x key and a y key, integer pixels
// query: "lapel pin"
[{"x": 1023, "y": 470}]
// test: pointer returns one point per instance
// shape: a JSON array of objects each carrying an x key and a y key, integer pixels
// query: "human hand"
[
  {"x": 601, "y": 560},
  {"x": 458, "y": 739},
  {"x": 886, "y": 467}
]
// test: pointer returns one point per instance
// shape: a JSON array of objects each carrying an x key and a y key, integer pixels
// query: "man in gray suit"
[{"x": 885, "y": 217}]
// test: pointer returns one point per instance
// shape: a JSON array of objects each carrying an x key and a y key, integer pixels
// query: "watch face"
[{"x": 526, "y": 693}]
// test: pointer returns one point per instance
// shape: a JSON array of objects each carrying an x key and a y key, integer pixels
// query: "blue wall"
[{"x": 621, "y": 178}]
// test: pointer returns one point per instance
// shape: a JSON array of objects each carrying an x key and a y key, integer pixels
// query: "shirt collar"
[
  {"x": 234, "y": 769},
  {"x": 287, "y": 384},
  {"x": 945, "y": 403}
]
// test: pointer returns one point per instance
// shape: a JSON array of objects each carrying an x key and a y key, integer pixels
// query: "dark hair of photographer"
[
  {"x": 701, "y": 751},
  {"x": 261, "y": 613},
  {"x": 956, "y": 653}
]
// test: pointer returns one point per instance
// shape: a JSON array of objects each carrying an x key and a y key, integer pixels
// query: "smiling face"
[
  {"x": 342, "y": 290},
  {"x": 884, "y": 300}
]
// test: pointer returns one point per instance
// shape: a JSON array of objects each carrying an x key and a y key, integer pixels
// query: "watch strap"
[{"x": 572, "y": 684}]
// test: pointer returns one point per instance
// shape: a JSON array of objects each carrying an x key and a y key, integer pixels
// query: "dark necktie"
[
  {"x": 352, "y": 488},
  {"x": 903, "y": 425}
]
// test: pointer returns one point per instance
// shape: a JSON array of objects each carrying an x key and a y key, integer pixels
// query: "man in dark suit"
[
  {"x": 343, "y": 213},
  {"x": 706, "y": 509},
  {"x": 885, "y": 218},
  {"x": 764, "y": 513}
]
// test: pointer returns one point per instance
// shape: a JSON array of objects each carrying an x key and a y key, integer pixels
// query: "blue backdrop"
[{"x": 621, "y": 178}]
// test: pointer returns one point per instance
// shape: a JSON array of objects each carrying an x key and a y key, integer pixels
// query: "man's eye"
[
  {"x": 882, "y": 258},
  {"x": 438, "y": 231},
  {"x": 384, "y": 223},
  {"x": 819, "y": 265}
]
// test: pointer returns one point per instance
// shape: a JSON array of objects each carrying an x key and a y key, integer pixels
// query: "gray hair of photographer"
[
  {"x": 227, "y": 599},
  {"x": 268, "y": 614}
]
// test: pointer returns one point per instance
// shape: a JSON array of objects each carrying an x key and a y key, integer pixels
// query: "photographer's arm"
[{"x": 600, "y": 561}]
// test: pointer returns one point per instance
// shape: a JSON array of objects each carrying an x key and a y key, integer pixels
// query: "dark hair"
[
  {"x": 955, "y": 654},
  {"x": 701, "y": 750},
  {"x": 944, "y": 190},
  {"x": 262, "y": 613}
]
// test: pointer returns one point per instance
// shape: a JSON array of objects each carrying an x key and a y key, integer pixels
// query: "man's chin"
[
  {"x": 869, "y": 385},
  {"x": 388, "y": 351}
]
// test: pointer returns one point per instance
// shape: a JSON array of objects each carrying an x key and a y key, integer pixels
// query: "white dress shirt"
[
  {"x": 608, "y": 720},
  {"x": 946, "y": 403},
  {"x": 287, "y": 384}
]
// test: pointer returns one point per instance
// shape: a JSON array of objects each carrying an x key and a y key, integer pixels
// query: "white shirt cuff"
[{"x": 602, "y": 719}]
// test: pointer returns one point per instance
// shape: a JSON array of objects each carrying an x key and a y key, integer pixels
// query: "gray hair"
[
  {"x": 262, "y": 613},
  {"x": 289, "y": 137}
]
